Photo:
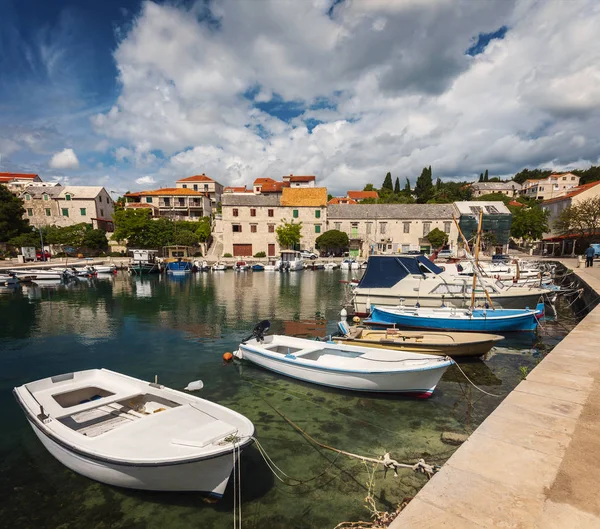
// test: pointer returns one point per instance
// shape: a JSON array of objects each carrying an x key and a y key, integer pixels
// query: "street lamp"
[{"x": 43, "y": 253}]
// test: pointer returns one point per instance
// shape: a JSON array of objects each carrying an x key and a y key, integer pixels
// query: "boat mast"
[{"x": 476, "y": 263}]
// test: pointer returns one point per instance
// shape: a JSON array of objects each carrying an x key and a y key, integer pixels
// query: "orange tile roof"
[
  {"x": 274, "y": 187},
  {"x": 233, "y": 189},
  {"x": 171, "y": 191},
  {"x": 197, "y": 178},
  {"x": 293, "y": 178},
  {"x": 576, "y": 191},
  {"x": 22, "y": 176},
  {"x": 359, "y": 195},
  {"x": 304, "y": 196},
  {"x": 342, "y": 200},
  {"x": 261, "y": 181},
  {"x": 515, "y": 203}
]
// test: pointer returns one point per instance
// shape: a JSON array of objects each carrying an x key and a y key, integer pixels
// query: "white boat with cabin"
[
  {"x": 129, "y": 433},
  {"x": 290, "y": 260}
]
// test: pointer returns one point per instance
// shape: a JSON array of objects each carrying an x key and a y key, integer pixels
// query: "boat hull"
[
  {"x": 209, "y": 476},
  {"x": 144, "y": 269},
  {"x": 524, "y": 322},
  {"x": 412, "y": 383},
  {"x": 466, "y": 350}
]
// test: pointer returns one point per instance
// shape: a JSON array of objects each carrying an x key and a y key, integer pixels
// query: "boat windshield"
[{"x": 386, "y": 271}]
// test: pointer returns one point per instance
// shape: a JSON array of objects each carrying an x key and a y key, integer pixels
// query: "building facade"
[
  {"x": 391, "y": 228},
  {"x": 554, "y": 186},
  {"x": 556, "y": 206},
  {"x": 510, "y": 189},
  {"x": 203, "y": 184},
  {"x": 175, "y": 203},
  {"x": 249, "y": 220},
  {"x": 16, "y": 182},
  {"x": 68, "y": 205}
]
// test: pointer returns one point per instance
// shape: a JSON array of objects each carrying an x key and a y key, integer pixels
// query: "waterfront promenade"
[{"x": 533, "y": 463}]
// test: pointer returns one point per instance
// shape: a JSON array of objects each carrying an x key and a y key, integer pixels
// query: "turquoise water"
[{"x": 179, "y": 329}]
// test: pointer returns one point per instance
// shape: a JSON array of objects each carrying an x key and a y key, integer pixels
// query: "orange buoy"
[{"x": 227, "y": 357}]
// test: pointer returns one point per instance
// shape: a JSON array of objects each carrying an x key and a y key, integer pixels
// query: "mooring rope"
[{"x": 475, "y": 386}]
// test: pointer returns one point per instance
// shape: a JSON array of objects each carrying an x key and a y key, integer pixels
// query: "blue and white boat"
[
  {"x": 258, "y": 267},
  {"x": 179, "y": 267},
  {"x": 349, "y": 367},
  {"x": 455, "y": 319}
]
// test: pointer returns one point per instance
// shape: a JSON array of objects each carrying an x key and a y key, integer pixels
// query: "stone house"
[
  {"x": 555, "y": 185},
  {"x": 555, "y": 206},
  {"x": 510, "y": 189},
  {"x": 391, "y": 228},
  {"x": 203, "y": 184},
  {"x": 176, "y": 203},
  {"x": 68, "y": 205},
  {"x": 16, "y": 182}
]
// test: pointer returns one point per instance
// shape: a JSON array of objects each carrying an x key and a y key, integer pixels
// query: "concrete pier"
[{"x": 535, "y": 461}]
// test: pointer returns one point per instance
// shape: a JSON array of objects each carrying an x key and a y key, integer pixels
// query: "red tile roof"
[
  {"x": 342, "y": 200},
  {"x": 197, "y": 178},
  {"x": 274, "y": 187},
  {"x": 515, "y": 203},
  {"x": 7, "y": 177},
  {"x": 293, "y": 178},
  {"x": 359, "y": 195},
  {"x": 171, "y": 191},
  {"x": 261, "y": 181},
  {"x": 576, "y": 191}
]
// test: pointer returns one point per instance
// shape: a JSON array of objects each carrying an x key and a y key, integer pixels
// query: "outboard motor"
[{"x": 259, "y": 331}]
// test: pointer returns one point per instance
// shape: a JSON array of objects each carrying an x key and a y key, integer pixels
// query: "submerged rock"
[{"x": 453, "y": 438}]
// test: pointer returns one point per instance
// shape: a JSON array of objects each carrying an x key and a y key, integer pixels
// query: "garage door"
[{"x": 242, "y": 250}]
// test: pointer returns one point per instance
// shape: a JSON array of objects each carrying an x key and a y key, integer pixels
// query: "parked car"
[
  {"x": 42, "y": 257},
  {"x": 305, "y": 254},
  {"x": 445, "y": 254}
]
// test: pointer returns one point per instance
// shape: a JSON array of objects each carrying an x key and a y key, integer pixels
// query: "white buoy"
[
  {"x": 344, "y": 313},
  {"x": 195, "y": 385}
]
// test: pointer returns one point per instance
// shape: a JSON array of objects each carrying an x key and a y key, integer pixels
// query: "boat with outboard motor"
[
  {"x": 125, "y": 432},
  {"x": 349, "y": 367}
]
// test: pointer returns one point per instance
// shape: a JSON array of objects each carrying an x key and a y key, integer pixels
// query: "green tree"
[
  {"x": 500, "y": 197},
  {"x": 185, "y": 237},
  {"x": 329, "y": 197},
  {"x": 534, "y": 174},
  {"x": 369, "y": 187},
  {"x": 203, "y": 229},
  {"x": 424, "y": 186},
  {"x": 437, "y": 238},
  {"x": 387, "y": 184},
  {"x": 486, "y": 176},
  {"x": 481, "y": 177},
  {"x": 407, "y": 186},
  {"x": 582, "y": 219},
  {"x": 332, "y": 240},
  {"x": 397, "y": 186},
  {"x": 12, "y": 222},
  {"x": 289, "y": 234},
  {"x": 29, "y": 239},
  {"x": 529, "y": 224},
  {"x": 95, "y": 239}
]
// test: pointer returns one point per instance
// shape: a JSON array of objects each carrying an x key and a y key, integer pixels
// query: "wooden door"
[
  {"x": 242, "y": 250},
  {"x": 271, "y": 250}
]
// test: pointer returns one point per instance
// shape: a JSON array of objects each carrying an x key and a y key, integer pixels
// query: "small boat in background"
[
  {"x": 349, "y": 264},
  {"x": 8, "y": 280},
  {"x": 454, "y": 319},
  {"x": 350, "y": 367},
  {"x": 144, "y": 262},
  {"x": 134, "y": 434},
  {"x": 331, "y": 265},
  {"x": 258, "y": 267},
  {"x": 202, "y": 266},
  {"x": 241, "y": 266},
  {"x": 218, "y": 267},
  {"x": 455, "y": 344}
]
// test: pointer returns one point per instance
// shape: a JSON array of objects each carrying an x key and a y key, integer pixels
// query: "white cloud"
[
  {"x": 145, "y": 180},
  {"x": 402, "y": 92},
  {"x": 65, "y": 159}
]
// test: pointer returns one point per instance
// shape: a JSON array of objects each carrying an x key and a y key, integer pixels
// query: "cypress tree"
[
  {"x": 387, "y": 183},
  {"x": 438, "y": 184},
  {"x": 424, "y": 186},
  {"x": 485, "y": 176},
  {"x": 397, "y": 186},
  {"x": 407, "y": 186},
  {"x": 481, "y": 177}
]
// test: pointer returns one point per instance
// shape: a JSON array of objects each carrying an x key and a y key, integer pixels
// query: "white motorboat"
[
  {"x": 349, "y": 264},
  {"x": 40, "y": 275},
  {"x": 218, "y": 267},
  {"x": 351, "y": 367},
  {"x": 129, "y": 433},
  {"x": 290, "y": 261},
  {"x": 105, "y": 269},
  {"x": 331, "y": 265},
  {"x": 416, "y": 280}
]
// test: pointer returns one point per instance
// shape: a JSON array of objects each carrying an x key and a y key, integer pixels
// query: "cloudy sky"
[{"x": 133, "y": 95}]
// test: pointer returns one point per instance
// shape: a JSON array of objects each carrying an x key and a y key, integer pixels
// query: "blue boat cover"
[{"x": 384, "y": 271}]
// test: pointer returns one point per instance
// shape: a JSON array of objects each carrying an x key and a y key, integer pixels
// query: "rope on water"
[
  {"x": 473, "y": 384},
  {"x": 387, "y": 462}
]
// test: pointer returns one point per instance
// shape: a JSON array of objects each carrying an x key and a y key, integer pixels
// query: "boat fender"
[{"x": 228, "y": 357}]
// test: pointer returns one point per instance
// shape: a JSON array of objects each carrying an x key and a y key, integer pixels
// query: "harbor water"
[{"x": 178, "y": 329}]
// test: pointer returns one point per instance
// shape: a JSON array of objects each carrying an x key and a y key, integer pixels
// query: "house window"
[
  {"x": 237, "y": 228},
  {"x": 369, "y": 226},
  {"x": 295, "y": 213},
  {"x": 382, "y": 227},
  {"x": 338, "y": 226},
  {"x": 46, "y": 197},
  {"x": 82, "y": 212},
  {"x": 235, "y": 212},
  {"x": 48, "y": 212},
  {"x": 184, "y": 186},
  {"x": 253, "y": 228},
  {"x": 572, "y": 178},
  {"x": 317, "y": 213},
  {"x": 167, "y": 201},
  {"x": 205, "y": 187},
  {"x": 426, "y": 228},
  {"x": 354, "y": 229},
  {"x": 30, "y": 212},
  {"x": 195, "y": 187},
  {"x": 99, "y": 199},
  {"x": 65, "y": 212},
  {"x": 252, "y": 212},
  {"x": 149, "y": 200},
  {"x": 317, "y": 228},
  {"x": 271, "y": 212},
  {"x": 564, "y": 177},
  {"x": 27, "y": 196},
  {"x": 102, "y": 213},
  {"x": 447, "y": 226},
  {"x": 182, "y": 201},
  {"x": 406, "y": 227},
  {"x": 67, "y": 197},
  {"x": 271, "y": 228}
]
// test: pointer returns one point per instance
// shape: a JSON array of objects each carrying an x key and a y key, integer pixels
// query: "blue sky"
[{"x": 133, "y": 95}]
